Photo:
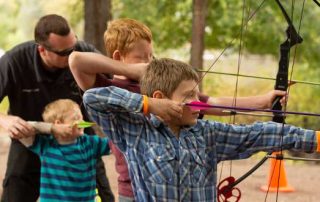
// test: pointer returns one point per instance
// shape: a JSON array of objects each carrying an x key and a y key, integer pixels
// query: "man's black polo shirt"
[{"x": 29, "y": 86}]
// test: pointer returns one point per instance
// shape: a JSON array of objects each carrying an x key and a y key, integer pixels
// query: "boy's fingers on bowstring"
[
  {"x": 169, "y": 110},
  {"x": 165, "y": 108},
  {"x": 176, "y": 109}
]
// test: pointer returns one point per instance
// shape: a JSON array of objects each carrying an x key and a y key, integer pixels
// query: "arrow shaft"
[{"x": 281, "y": 113}]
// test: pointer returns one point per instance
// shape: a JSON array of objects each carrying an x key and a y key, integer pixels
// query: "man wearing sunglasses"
[{"x": 33, "y": 74}]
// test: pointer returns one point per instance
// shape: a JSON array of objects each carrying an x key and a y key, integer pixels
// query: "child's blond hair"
[
  {"x": 165, "y": 75},
  {"x": 122, "y": 34},
  {"x": 57, "y": 110}
]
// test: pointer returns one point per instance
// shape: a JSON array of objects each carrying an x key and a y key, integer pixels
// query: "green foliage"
[
  {"x": 169, "y": 20},
  {"x": 18, "y": 18},
  {"x": 171, "y": 23},
  {"x": 71, "y": 10},
  {"x": 8, "y": 13}
]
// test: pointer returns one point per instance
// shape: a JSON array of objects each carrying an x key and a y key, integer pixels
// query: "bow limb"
[{"x": 293, "y": 38}]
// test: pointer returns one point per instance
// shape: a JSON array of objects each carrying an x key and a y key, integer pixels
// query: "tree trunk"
[
  {"x": 198, "y": 30},
  {"x": 96, "y": 14}
]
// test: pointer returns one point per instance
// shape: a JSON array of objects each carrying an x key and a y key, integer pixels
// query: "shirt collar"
[{"x": 155, "y": 121}]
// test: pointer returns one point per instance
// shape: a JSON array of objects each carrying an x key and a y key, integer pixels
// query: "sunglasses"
[{"x": 62, "y": 53}]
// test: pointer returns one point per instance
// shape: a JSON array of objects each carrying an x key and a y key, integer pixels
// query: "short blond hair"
[
  {"x": 57, "y": 110},
  {"x": 165, "y": 75},
  {"x": 122, "y": 34}
]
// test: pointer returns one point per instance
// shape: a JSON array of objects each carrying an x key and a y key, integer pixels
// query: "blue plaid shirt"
[{"x": 166, "y": 168}]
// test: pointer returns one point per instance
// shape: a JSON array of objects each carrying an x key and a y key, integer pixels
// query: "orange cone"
[{"x": 274, "y": 183}]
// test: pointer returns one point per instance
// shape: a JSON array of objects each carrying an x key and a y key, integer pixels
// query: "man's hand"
[
  {"x": 16, "y": 127},
  {"x": 166, "y": 109}
]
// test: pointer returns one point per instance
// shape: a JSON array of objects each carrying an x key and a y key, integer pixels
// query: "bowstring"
[{"x": 243, "y": 29}]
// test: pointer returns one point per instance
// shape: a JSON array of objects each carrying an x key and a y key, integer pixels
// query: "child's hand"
[
  {"x": 166, "y": 109},
  {"x": 62, "y": 130}
]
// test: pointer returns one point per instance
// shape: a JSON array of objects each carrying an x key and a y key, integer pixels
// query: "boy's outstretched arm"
[
  {"x": 256, "y": 102},
  {"x": 86, "y": 65},
  {"x": 114, "y": 99}
]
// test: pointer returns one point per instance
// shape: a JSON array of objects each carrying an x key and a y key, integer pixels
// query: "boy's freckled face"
[
  {"x": 186, "y": 92},
  {"x": 141, "y": 53}
]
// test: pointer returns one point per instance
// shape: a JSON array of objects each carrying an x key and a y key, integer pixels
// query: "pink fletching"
[{"x": 196, "y": 105}]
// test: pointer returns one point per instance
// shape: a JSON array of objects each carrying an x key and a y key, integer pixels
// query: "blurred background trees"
[{"x": 177, "y": 33}]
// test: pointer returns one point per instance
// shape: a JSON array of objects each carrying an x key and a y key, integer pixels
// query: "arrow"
[
  {"x": 196, "y": 105},
  {"x": 84, "y": 124}
]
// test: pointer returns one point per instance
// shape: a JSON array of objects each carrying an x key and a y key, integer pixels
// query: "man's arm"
[
  {"x": 86, "y": 65},
  {"x": 256, "y": 102},
  {"x": 14, "y": 125}
]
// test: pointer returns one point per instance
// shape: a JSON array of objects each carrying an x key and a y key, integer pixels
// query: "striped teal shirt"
[{"x": 68, "y": 172}]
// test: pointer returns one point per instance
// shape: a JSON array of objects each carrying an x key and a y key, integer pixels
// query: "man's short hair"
[
  {"x": 57, "y": 110},
  {"x": 48, "y": 24},
  {"x": 166, "y": 75},
  {"x": 122, "y": 34}
]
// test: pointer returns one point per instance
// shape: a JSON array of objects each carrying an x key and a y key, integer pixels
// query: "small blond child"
[{"x": 68, "y": 162}]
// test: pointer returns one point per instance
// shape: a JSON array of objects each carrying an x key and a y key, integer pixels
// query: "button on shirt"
[{"x": 166, "y": 168}]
